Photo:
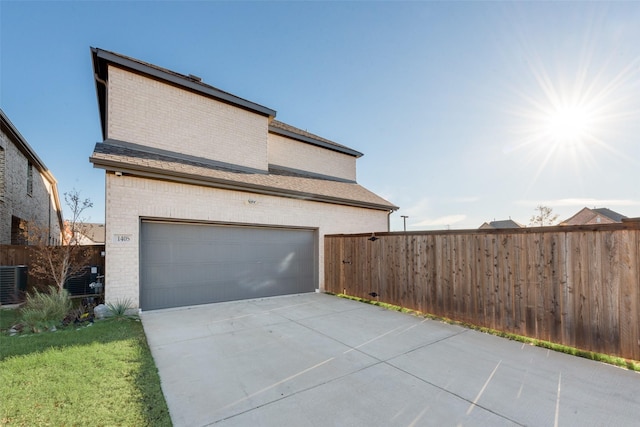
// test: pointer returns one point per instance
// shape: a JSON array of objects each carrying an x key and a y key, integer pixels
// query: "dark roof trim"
[
  {"x": 313, "y": 141},
  {"x": 283, "y": 170},
  {"x": 185, "y": 178},
  {"x": 184, "y": 157},
  {"x": 102, "y": 56}
]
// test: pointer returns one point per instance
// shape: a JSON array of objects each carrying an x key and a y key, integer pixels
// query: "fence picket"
[{"x": 577, "y": 286}]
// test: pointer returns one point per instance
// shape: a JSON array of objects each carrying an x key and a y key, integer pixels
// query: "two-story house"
[
  {"x": 29, "y": 201},
  {"x": 209, "y": 198}
]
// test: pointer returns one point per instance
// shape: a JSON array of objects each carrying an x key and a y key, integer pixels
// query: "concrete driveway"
[{"x": 319, "y": 360}]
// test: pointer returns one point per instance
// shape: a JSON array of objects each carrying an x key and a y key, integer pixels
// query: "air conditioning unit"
[
  {"x": 80, "y": 284},
  {"x": 13, "y": 283}
]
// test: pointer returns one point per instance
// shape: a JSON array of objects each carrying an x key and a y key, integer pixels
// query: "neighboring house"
[
  {"x": 93, "y": 233},
  {"x": 87, "y": 233},
  {"x": 506, "y": 223},
  {"x": 209, "y": 198},
  {"x": 588, "y": 216},
  {"x": 29, "y": 199}
]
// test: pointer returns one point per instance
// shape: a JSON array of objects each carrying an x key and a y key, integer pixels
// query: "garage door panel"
[
  {"x": 189, "y": 264},
  {"x": 199, "y": 293}
]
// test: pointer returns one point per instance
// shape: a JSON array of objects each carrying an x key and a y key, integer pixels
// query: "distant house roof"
[
  {"x": 588, "y": 216},
  {"x": 94, "y": 232},
  {"x": 615, "y": 216},
  {"x": 126, "y": 158},
  {"x": 507, "y": 223}
]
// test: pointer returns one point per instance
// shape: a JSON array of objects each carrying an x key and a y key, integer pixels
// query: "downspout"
[
  {"x": 99, "y": 80},
  {"x": 389, "y": 220},
  {"x": 104, "y": 136},
  {"x": 104, "y": 120},
  {"x": 49, "y": 220}
]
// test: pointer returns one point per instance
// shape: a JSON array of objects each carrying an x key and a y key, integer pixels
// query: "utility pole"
[{"x": 404, "y": 219}]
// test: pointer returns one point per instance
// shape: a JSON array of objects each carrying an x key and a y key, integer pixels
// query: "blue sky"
[{"x": 466, "y": 111}]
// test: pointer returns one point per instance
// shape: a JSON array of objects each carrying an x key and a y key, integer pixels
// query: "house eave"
[{"x": 185, "y": 178}]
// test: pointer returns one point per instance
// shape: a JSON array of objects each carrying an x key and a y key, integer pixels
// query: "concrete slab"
[
  {"x": 529, "y": 384},
  {"x": 318, "y": 360},
  {"x": 376, "y": 396}
]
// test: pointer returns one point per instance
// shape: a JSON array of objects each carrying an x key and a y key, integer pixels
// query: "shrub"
[
  {"x": 43, "y": 311},
  {"x": 119, "y": 307}
]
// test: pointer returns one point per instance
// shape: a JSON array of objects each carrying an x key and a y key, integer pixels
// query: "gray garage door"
[{"x": 188, "y": 264}]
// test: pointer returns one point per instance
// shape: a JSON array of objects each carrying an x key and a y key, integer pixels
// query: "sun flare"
[
  {"x": 568, "y": 125},
  {"x": 559, "y": 121},
  {"x": 571, "y": 108},
  {"x": 569, "y": 122}
]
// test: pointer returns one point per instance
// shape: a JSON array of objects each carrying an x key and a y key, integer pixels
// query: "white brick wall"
[
  {"x": 129, "y": 198},
  {"x": 155, "y": 114},
  {"x": 298, "y": 155}
]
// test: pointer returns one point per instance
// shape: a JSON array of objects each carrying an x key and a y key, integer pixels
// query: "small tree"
[
  {"x": 544, "y": 216},
  {"x": 57, "y": 264}
]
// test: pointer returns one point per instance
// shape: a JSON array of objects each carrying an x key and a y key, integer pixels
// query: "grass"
[
  {"x": 8, "y": 317},
  {"x": 102, "y": 374},
  {"x": 605, "y": 358}
]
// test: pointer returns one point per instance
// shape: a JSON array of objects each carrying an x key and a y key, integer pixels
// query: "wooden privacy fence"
[
  {"x": 577, "y": 285},
  {"x": 11, "y": 255}
]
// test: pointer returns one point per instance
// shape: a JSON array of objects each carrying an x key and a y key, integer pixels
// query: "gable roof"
[
  {"x": 127, "y": 159},
  {"x": 101, "y": 58},
  {"x": 593, "y": 216}
]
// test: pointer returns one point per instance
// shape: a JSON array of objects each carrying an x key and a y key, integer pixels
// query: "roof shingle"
[{"x": 126, "y": 159}]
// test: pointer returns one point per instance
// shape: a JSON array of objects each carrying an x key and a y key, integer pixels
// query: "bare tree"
[
  {"x": 58, "y": 264},
  {"x": 544, "y": 216}
]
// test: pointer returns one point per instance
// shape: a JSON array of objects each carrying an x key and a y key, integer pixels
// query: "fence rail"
[{"x": 577, "y": 286}]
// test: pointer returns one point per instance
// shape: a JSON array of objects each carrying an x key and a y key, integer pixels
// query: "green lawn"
[{"x": 91, "y": 375}]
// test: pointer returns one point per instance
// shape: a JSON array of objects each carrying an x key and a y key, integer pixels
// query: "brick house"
[
  {"x": 587, "y": 216},
  {"x": 28, "y": 191},
  {"x": 209, "y": 198}
]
